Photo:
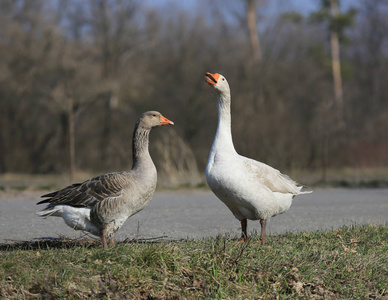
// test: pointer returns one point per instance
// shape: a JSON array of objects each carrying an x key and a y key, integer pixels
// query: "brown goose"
[{"x": 102, "y": 204}]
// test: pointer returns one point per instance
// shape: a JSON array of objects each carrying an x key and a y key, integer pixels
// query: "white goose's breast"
[{"x": 242, "y": 192}]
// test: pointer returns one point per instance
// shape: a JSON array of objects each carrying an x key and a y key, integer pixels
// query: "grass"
[{"x": 349, "y": 263}]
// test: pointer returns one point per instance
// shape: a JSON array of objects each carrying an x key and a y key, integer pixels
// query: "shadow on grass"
[
  {"x": 49, "y": 243},
  {"x": 67, "y": 243}
]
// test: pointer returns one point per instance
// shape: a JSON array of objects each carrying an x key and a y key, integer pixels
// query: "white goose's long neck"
[{"x": 223, "y": 139}]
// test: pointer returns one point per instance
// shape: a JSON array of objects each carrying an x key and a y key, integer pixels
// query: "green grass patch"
[{"x": 349, "y": 263}]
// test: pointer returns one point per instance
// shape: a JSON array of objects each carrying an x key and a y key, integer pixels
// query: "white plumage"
[
  {"x": 250, "y": 189},
  {"x": 77, "y": 218}
]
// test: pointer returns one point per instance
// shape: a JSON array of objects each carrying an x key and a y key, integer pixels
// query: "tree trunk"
[
  {"x": 106, "y": 158},
  {"x": 71, "y": 138},
  {"x": 252, "y": 27},
  {"x": 336, "y": 63},
  {"x": 325, "y": 141}
]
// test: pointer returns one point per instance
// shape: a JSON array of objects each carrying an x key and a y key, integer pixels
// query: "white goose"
[
  {"x": 102, "y": 204},
  {"x": 250, "y": 189}
]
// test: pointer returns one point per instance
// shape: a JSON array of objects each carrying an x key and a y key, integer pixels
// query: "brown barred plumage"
[{"x": 101, "y": 204}]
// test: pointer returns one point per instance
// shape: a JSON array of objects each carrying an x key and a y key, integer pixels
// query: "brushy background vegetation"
[
  {"x": 348, "y": 263},
  {"x": 84, "y": 71}
]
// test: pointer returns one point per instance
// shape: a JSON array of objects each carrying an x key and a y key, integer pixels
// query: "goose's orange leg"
[
  {"x": 103, "y": 239},
  {"x": 263, "y": 224},
  {"x": 244, "y": 235}
]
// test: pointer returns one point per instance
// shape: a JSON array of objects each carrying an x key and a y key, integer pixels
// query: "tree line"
[{"x": 75, "y": 76}]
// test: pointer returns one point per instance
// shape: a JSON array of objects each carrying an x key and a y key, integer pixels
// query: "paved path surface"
[{"x": 200, "y": 214}]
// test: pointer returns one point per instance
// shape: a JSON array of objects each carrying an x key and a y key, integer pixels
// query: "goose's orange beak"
[
  {"x": 165, "y": 121},
  {"x": 212, "y": 79}
]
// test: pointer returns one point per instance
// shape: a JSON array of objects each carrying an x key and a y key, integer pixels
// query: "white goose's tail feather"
[{"x": 303, "y": 192}]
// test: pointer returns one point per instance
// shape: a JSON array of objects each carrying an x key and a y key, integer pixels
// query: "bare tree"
[
  {"x": 70, "y": 113},
  {"x": 251, "y": 6},
  {"x": 336, "y": 61},
  {"x": 111, "y": 29}
]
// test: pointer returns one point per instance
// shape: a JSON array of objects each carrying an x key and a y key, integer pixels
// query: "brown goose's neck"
[{"x": 140, "y": 142}]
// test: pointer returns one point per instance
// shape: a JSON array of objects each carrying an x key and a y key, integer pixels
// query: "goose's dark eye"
[
  {"x": 223, "y": 79},
  {"x": 154, "y": 115}
]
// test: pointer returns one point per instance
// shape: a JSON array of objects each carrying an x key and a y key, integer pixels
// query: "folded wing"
[
  {"x": 90, "y": 192},
  {"x": 272, "y": 178}
]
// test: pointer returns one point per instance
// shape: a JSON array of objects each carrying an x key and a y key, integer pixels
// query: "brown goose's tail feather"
[{"x": 54, "y": 194}]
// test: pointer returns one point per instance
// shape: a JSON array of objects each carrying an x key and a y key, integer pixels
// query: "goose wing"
[
  {"x": 271, "y": 177},
  {"x": 90, "y": 192}
]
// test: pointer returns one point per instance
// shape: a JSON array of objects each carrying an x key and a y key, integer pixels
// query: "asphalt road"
[{"x": 194, "y": 214}]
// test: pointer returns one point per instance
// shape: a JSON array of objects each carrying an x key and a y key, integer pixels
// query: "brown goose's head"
[{"x": 152, "y": 119}]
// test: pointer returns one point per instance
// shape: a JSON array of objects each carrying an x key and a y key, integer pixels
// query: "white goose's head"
[{"x": 219, "y": 82}]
